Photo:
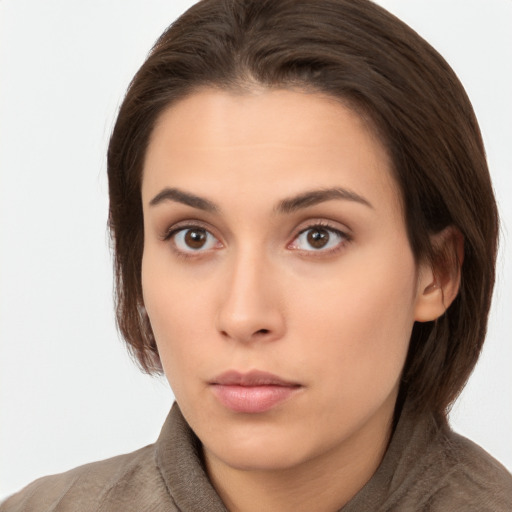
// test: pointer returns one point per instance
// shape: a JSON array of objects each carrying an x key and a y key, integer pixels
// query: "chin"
[
  {"x": 260, "y": 457},
  {"x": 259, "y": 449}
]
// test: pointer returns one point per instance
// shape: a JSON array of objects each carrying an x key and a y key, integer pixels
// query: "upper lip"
[{"x": 252, "y": 378}]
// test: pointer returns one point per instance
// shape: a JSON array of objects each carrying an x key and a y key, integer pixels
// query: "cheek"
[
  {"x": 175, "y": 314},
  {"x": 359, "y": 324}
]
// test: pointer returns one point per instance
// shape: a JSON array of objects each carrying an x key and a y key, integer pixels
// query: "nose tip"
[
  {"x": 254, "y": 325},
  {"x": 243, "y": 332},
  {"x": 250, "y": 309}
]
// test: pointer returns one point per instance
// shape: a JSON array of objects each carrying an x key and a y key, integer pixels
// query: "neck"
[{"x": 324, "y": 483}]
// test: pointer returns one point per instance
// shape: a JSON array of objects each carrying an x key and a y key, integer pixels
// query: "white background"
[{"x": 68, "y": 392}]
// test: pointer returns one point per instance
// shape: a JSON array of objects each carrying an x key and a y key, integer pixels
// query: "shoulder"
[
  {"x": 470, "y": 479},
  {"x": 127, "y": 482},
  {"x": 429, "y": 468}
]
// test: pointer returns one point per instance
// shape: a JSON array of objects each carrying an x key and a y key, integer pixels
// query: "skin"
[{"x": 335, "y": 320}]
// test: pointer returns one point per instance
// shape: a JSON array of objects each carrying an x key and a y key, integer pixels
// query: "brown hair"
[{"x": 357, "y": 52}]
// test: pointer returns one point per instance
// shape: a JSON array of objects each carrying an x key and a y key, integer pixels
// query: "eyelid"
[
  {"x": 185, "y": 225},
  {"x": 343, "y": 232},
  {"x": 324, "y": 222}
]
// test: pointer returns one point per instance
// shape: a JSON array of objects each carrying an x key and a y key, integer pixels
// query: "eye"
[
  {"x": 193, "y": 239},
  {"x": 319, "y": 239}
]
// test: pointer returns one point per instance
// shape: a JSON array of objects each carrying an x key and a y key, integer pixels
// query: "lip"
[{"x": 253, "y": 392}]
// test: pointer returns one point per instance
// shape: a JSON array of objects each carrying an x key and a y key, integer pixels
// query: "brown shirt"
[{"x": 426, "y": 468}]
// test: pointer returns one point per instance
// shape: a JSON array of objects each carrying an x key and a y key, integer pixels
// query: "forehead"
[{"x": 269, "y": 141}]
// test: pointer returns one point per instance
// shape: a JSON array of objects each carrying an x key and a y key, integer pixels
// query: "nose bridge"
[{"x": 249, "y": 307}]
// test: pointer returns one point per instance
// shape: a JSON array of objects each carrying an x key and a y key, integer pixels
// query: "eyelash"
[
  {"x": 326, "y": 226},
  {"x": 172, "y": 232}
]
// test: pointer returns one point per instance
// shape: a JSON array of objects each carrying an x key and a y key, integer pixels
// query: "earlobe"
[{"x": 439, "y": 280}]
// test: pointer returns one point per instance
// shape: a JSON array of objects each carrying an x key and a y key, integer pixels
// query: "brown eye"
[
  {"x": 318, "y": 237},
  {"x": 193, "y": 239}
]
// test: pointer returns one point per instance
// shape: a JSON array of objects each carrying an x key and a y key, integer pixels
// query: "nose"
[{"x": 250, "y": 308}]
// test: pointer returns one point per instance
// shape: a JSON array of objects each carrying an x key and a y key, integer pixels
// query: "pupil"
[
  {"x": 318, "y": 238},
  {"x": 195, "y": 238}
]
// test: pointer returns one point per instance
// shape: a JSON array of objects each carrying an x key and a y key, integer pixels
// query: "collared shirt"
[{"x": 426, "y": 468}]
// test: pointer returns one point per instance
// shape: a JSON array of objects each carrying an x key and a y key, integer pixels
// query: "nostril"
[{"x": 262, "y": 331}]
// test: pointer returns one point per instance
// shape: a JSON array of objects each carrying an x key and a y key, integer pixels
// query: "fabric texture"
[{"x": 426, "y": 468}]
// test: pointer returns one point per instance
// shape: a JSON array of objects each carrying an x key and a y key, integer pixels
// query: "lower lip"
[{"x": 252, "y": 399}]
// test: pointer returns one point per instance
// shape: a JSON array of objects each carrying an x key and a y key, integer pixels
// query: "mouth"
[{"x": 253, "y": 392}]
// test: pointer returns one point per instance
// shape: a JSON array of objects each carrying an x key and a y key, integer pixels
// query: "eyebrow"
[
  {"x": 313, "y": 197},
  {"x": 289, "y": 205},
  {"x": 179, "y": 196}
]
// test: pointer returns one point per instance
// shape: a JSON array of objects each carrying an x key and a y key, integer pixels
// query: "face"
[{"x": 277, "y": 274}]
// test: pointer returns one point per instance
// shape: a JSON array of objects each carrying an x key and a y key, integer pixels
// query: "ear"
[{"x": 439, "y": 280}]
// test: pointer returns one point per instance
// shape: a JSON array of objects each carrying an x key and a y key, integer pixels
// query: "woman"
[{"x": 305, "y": 236}]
